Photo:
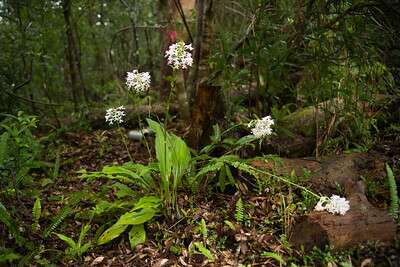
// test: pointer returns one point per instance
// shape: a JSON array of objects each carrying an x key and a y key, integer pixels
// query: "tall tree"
[
  {"x": 208, "y": 105},
  {"x": 73, "y": 73}
]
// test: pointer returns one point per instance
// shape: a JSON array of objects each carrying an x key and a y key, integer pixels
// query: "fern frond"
[
  {"x": 394, "y": 205},
  {"x": 244, "y": 168},
  {"x": 239, "y": 211},
  {"x": 64, "y": 212},
  {"x": 203, "y": 228},
  {"x": 36, "y": 212}
]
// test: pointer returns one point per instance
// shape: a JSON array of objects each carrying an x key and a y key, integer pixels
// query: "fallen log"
[
  {"x": 329, "y": 173},
  {"x": 362, "y": 223}
]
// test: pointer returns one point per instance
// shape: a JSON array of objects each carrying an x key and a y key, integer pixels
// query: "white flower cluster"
[
  {"x": 138, "y": 81},
  {"x": 335, "y": 205},
  {"x": 115, "y": 115},
  {"x": 262, "y": 127},
  {"x": 179, "y": 55}
]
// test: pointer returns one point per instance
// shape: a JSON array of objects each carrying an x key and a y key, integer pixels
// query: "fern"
[
  {"x": 394, "y": 205},
  {"x": 239, "y": 211},
  {"x": 244, "y": 168},
  {"x": 203, "y": 228},
  {"x": 36, "y": 212},
  {"x": 64, "y": 212},
  {"x": 11, "y": 224}
]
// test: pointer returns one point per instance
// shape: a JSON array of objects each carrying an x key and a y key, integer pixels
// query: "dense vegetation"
[{"x": 173, "y": 175}]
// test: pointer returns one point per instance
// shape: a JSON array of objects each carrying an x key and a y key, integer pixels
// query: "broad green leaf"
[
  {"x": 83, "y": 233},
  {"x": 113, "y": 232},
  {"x": 245, "y": 140},
  {"x": 147, "y": 202},
  {"x": 124, "y": 190},
  {"x": 162, "y": 151},
  {"x": 67, "y": 240},
  {"x": 137, "y": 217},
  {"x": 137, "y": 235},
  {"x": 203, "y": 250}
]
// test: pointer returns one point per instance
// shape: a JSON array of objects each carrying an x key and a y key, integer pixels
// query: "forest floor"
[{"x": 265, "y": 227}]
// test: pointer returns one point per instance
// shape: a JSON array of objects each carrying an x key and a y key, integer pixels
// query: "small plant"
[
  {"x": 394, "y": 205},
  {"x": 198, "y": 247},
  {"x": 143, "y": 211},
  {"x": 239, "y": 210},
  {"x": 36, "y": 212},
  {"x": 19, "y": 150},
  {"x": 174, "y": 161},
  {"x": 77, "y": 249}
]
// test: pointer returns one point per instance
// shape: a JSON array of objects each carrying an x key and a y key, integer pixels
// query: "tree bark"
[
  {"x": 73, "y": 74},
  {"x": 208, "y": 105},
  {"x": 362, "y": 223}
]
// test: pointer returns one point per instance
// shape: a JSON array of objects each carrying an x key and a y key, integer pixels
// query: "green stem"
[
  {"x": 124, "y": 142},
  {"x": 286, "y": 181},
  {"x": 144, "y": 138}
]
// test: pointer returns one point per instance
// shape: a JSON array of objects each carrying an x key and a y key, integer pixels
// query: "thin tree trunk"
[
  {"x": 208, "y": 105},
  {"x": 73, "y": 72}
]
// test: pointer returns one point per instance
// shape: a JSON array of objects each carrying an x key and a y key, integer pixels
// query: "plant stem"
[
  {"x": 286, "y": 181},
  {"x": 125, "y": 143}
]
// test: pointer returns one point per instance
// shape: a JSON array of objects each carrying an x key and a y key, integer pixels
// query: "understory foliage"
[{"x": 271, "y": 62}]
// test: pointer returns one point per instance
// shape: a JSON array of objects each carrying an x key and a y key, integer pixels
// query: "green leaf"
[
  {"x": 83, "y": 233},
  {"x": 274, "y": 256},
  {"x": 203, "y": 250},
  {"x": 203, "y": 228},
  {"x": 230, "y": 225},
  {"x": 11, "y": 224},
  {"x": 216, "y": 136},
  {"x": 147, "y": 202},
  {"x": 8, "y": 256},
  {"x": 4, "y": 147},
  {"x": 124, "y": 191},
  {"x": 137, "y": 217},
  {"x": 113, "y": 232},
  {"x": 245, "y": 140},
  {"x": 137, "y": 235},
  {"x": 162, "y": 152},
  {"x": 394, "y": 204},
  {"x": 67, "y": 240},
  {"x": 36, "y": 212}
]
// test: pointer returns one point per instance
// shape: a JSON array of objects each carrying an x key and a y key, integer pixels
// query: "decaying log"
[
  {"x": 329, "y": 173},
  {"x": 363, "y": 222}
]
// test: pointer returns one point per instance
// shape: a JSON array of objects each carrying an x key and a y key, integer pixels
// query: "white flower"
[
  {"x": 115, "y": 115},
  {"x": 179, "y": 55},
  {"x": 262, "y": 127},
  {"x": 98, "y": 23},
  {"x": 137, "y": 81},
  {"x": 322, "y": 203},
  {"x": 335, "y": 205}
]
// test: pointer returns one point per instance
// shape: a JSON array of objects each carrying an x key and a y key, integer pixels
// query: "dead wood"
[{"x": 362, "y": 223}]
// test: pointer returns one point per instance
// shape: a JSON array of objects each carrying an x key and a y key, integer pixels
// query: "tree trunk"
[
  {"x": 208, "y": 104},
  {"x": 73, "y": 74}
]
